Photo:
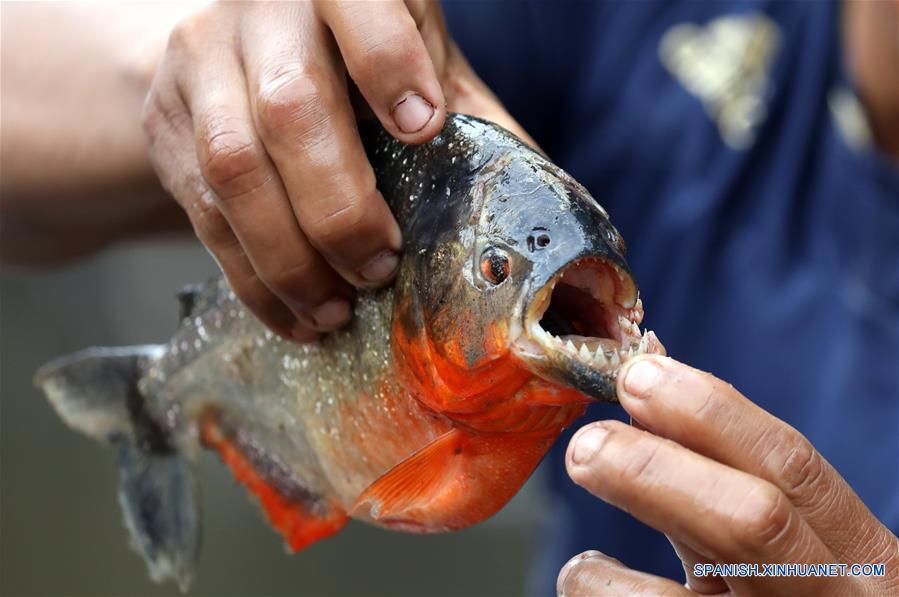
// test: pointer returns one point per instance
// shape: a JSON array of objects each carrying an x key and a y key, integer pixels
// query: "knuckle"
[
  {"x": 293, "y": 279},
  {"x": 640, "y": 460},
  {"x": 709, "y": 407},
  {"x": 252, "y": 293},
  {"x": 884, "y": 547},
  {"x": 290, "y": 101},
  {"x": 378, "y": 56},
  {"x": 184, "y": 33},
  {"x": 713, "y": 399},
  {"x": 232, "y": 161},
  {"x": 161, "y": 116},
  {"x": 210, "y": 224},
  {"x": 802, "y": 468},
  {"x": 180, "y": 36},
  {"x": 763, "y": 519},
  {"x": 339, "y": 226},
  {"x": 190, "y": 32}
]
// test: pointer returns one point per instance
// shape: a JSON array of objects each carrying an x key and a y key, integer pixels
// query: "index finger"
[
  {"x": 304, "y": 117},
  {"x": 722, "y": 513},
  {"x": 710, "y": 417}
]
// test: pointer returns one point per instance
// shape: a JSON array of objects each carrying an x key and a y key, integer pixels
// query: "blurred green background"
[{"x": 61, "y": 531}]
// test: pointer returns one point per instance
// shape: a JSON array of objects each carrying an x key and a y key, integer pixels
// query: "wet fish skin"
[
  {"x": 426, "y": 413},
  {"x": 487, "y": 188}
]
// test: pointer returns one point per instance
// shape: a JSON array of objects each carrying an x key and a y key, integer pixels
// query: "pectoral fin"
[{"x": 459, "y": 479}]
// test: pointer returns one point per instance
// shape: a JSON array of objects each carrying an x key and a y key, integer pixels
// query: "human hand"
[
  {"x": 727, "y": 483},
  {"x": 251, "y": 123}
]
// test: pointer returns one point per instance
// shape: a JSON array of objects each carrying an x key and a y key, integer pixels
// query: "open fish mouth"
[{"x": 584, "y": 324}]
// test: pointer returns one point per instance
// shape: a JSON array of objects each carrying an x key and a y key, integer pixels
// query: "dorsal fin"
[{"x": 187, "y": 299}]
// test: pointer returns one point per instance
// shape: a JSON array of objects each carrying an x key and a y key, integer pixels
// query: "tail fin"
[{"x": 95, "y": 392}]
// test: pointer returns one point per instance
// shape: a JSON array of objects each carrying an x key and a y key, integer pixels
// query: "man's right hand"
[{"x": 252, "y": 128}]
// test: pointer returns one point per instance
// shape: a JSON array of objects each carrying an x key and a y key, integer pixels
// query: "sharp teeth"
[
  {"x": 584, "y": 353},
  {"x": 615, "y": 360},
  {"x": 570, "y": 346},
  {"x": 652, "y": 341},
  {"x": 624, "y": 323},
  {"x": 635, "y": 329},
  {"x": 600, "y": 357},
  {"x": 644, "y": 342},
  {"x": 630, "y": 352}
]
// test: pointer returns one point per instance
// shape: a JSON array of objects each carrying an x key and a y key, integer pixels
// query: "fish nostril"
[{"x": 541, "y": 241}]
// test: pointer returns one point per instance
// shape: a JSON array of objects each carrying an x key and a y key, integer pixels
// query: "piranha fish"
[{"x": 513, "y": 309}]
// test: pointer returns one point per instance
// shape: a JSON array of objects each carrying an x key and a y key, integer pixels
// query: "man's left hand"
[{"x": 727, "y": 483}]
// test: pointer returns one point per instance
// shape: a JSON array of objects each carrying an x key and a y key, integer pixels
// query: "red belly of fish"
[{"x": 463, "y": 443}]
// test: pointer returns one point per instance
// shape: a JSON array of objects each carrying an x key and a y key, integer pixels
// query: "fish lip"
[{"x": 589, "y": 364}]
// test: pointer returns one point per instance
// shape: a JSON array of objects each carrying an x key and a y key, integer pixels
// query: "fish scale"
[{"x": 263, "y": 381}]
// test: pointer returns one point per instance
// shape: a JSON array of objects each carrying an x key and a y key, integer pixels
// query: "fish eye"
[{"x": 494, "y": 265}]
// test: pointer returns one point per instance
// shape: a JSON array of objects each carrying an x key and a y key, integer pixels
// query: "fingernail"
[
  {"x": 332, "y": 314},
  {"x": 412, "y": 113},
  {"x": 641, "y": 377},
  {"x": 381, "y": 268},
  {"x": 586, "y": 444}
]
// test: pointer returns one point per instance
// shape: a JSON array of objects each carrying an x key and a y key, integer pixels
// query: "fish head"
[
  {"x": 580, "y": 311},
  {"x": 572, "y": 312},
  {"x": 525, "y": 277}
]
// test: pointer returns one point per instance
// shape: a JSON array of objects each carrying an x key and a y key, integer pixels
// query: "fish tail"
[{"x": 95, "y": 391}]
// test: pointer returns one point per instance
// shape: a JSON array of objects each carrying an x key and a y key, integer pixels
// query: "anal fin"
[
  {"x": 459, "y": 479},
  {"x": 300, "y": 520}
]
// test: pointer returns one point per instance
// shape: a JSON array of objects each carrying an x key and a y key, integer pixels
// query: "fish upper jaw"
[{"x": 582, "y": 325}]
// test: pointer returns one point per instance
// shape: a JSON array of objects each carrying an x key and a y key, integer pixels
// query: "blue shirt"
[{"x": 725, "y": 141}]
